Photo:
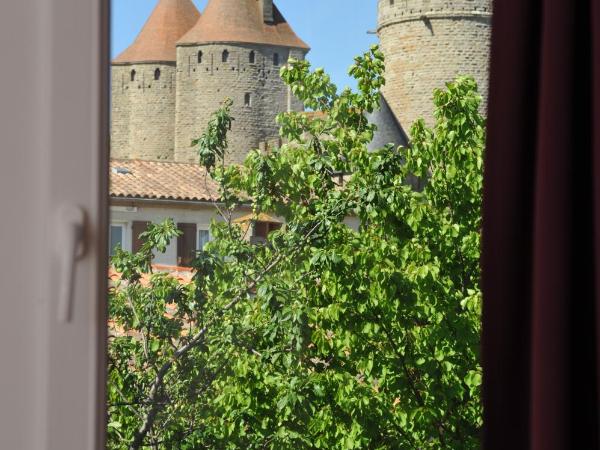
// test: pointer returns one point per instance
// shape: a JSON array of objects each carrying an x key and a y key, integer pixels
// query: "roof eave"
[
  {"x": 162, "y": 200},
  {"x": 116, "y": 62},
  {"x": 304, "y": 47}
]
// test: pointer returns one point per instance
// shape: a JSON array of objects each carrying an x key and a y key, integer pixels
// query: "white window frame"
[{"x": 57, "y": 369}]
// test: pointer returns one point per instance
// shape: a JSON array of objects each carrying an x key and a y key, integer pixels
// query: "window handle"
[{"x": 70, "y": 248}]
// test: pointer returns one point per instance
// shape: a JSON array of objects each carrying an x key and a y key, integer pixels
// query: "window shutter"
[
  {"x": 261, "y": 230},
  {"x": 273, "y": 226},
  {"x": 186, "y": 244},
  {"x": 137, "y": 228}
]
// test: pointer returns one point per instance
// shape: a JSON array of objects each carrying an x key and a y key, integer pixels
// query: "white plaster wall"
[{"x": 201, "y": 215}]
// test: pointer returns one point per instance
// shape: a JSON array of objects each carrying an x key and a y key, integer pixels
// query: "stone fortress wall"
[
  {"x": 181, "y": 67},
  {"x": 143, "y": 111},
  {"x": 249, "y": 76},
  {"x": 427, "y": 43}
]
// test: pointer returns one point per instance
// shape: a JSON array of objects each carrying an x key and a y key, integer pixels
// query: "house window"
[
  {"x": 262, "y": 230},
  {"x": 252, "y": 57},
  {"x": 199, "y": 57},
  {"x": 133, "y": 75},
  {"x": 225, "y": 56},
  {"x": 157, "y": 74},
  {"x": 203, "y": 238},
  {"x": 115, "y": 239},
  {"x": 247, "y": 99},
  {"x": 276, "y": 59},
  {"x": 186, "y": 244}
]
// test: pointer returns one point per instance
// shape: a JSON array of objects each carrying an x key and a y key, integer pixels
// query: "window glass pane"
[
  {"x": 156, "y": 175},
  {"x": 116, "y": 238},
  {"x": 203, "y": 238}
]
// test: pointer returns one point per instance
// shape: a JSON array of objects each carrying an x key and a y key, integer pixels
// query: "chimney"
[{"x": 266, "y": 7}]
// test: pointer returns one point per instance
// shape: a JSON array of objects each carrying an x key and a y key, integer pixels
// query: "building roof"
[
  {"x": 389, "y": 129},
  {"x": 261, "y": 217},
  {"x": 170, "y": 20},
  {"x": 161, "y": 180},
  {"x": 183, "y": 275},
  {"x": 241, "y": 21},
  {"x": 315, "y": 115}
]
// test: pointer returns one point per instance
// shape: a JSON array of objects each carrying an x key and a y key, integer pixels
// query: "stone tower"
[
  {"x": 427, "y": 43},
  {"x": 235, "y": 50},
  {"x": 144, "y": 82}
]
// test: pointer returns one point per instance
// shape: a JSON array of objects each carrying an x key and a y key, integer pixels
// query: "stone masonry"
[
  {"x": 427, "y": 43},
  {"x": 143, "y": 111},
  {"x": 249, "y": 76},
  {"x": 182, "y": 66}
]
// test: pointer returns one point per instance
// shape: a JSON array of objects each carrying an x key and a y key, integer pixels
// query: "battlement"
[{"x": 397, "y": 11}]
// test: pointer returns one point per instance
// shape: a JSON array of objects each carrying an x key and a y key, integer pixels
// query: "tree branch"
[{"x": 196, "y": 340}]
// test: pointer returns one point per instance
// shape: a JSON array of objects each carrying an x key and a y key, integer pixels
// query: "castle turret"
[
  {"x": 144, "y": 82},
  {"x": 235, "y": 50},
  {"x": 427, "y": 43}
]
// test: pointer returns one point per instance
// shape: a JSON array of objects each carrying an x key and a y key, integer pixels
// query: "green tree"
[{"x": 326, "y": 337}]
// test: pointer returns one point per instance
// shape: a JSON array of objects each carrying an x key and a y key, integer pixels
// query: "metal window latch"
[{"x": 70, "y": 239}]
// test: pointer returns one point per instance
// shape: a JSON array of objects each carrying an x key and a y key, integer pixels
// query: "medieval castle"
[{"x": 183, "y": 64}]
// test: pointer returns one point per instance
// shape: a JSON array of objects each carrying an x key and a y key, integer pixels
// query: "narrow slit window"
[
  {"x": 225, "y": 57},
  {"x": 199, "y": 57},
  {"x": 133, "y": 73},
  {"x": 157, "y": 74},
  {"x": 247, "y": 99},
  {"x": 252, "y": 57},
  {"x": 276, "y": 59}
]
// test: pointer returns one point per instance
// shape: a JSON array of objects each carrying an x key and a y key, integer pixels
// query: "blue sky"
[{"x": 336, "y": 30}]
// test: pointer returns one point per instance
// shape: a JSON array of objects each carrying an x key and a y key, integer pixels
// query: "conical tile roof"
[
  {"x": 389, "y": 130},
  {"x": 241, "y": 21},
  {"x": 170, "y": 20}
]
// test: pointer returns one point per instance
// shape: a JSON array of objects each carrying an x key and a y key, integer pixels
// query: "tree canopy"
[{"x": 326, "y": 337}]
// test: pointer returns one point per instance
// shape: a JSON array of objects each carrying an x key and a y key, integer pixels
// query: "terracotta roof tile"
[
  {"x": 184, "y": 275},
  {"x": 262, "y": 217},
  {"x": 161, "y": 180},
  {"x": 315, "y": 115},
  {"x": 241, "y": 21},
  {"x": 170, "y": 20}
]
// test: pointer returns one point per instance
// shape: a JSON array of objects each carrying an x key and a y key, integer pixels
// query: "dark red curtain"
[{"x": 541, "y": 233}]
